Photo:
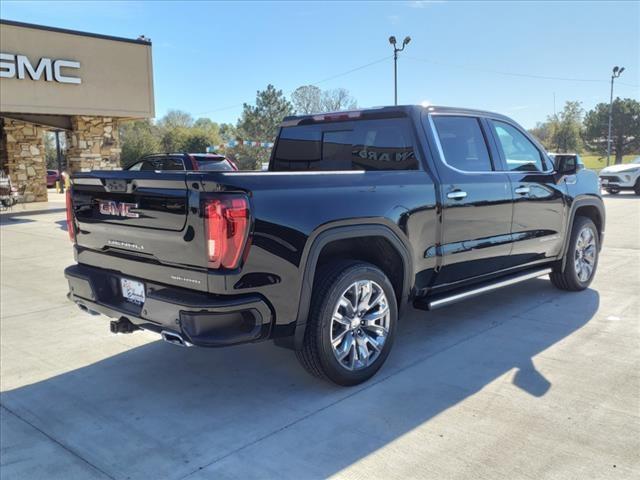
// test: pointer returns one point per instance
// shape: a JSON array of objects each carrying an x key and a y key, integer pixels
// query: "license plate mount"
[{"x": 132, "y": 291}]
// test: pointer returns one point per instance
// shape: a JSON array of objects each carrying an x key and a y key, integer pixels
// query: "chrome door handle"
[
  {"x": 457, "y": 195},
  {"x": 522, "y": 190}
]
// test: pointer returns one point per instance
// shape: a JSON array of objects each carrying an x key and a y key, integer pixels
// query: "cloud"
[
  {"x": 424, "y": 3},
  {"x": 394, "y": 19}
]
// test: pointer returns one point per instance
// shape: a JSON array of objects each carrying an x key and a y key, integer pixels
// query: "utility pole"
[
  {"x": 617, "y": 71},
  {"x": 392, "y": 41}
]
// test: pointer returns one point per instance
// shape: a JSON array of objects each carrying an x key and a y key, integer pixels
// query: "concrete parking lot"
[{"x": 527, "y": 382}]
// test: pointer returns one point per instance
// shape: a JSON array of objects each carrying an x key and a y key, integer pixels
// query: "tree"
[
  {"x": 204, "y": 133},
  {"x": 260, "y": 123},
  {"x": 228, "y": 132},
  {"x": 174, "y": 140},
  {"x": 307, "y": 99},
  {"x": 625, "y": 128},
  {"x": 561, "y": 132},
  {"x": 544, "y": 132},
  {"x": 174, "y": 130},
  {"x": 566, "y": 137},
  {"x": 336, "y": 100},
  {"x": 176, "y": 119},
  {"x": 138, "y": 138},
  {"x": 197, "y": 142}
]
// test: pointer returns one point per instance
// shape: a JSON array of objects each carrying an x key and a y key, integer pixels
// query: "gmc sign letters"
[{"x": 16, "y": 66}]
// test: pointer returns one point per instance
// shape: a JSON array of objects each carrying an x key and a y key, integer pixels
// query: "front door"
[
  {"x": 539, "y": 195},
  {"x": 477, "y": 201}
]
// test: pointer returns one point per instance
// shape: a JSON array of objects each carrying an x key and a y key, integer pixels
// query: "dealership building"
[{"x": 84, "y": 84}]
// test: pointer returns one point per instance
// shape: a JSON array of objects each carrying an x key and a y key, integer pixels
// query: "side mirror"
[{"x": 566, "y": 164}]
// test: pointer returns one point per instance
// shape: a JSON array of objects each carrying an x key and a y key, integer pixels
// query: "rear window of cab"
[{"x": 363, "y": 145}]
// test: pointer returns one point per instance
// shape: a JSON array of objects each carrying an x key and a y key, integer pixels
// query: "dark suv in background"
[{"x": 207, "y": 162}]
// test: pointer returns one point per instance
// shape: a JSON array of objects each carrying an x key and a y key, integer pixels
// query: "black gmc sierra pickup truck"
[{"x": 360, "y": 214}]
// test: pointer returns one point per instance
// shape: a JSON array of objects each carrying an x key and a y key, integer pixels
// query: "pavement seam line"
[
  {"x": 57, "y": 442},
  {"x": 37, "y": 311},
  {"x": 368, "y": 386}
]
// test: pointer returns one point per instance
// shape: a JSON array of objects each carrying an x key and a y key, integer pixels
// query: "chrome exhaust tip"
[{"x": 174, "y": 339}]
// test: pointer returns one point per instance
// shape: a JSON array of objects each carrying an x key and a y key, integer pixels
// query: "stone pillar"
[
  {"x": 24, "y": 158},
  {"x": 93, "y": 144}
]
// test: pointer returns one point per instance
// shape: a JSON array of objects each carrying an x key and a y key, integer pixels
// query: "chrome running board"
[{"x": 438, "y": 301}]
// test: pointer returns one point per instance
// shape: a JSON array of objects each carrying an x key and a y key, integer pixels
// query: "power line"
[
  {"x": 361, "y": 67},
  {"x": 388, "y": 57},
  {"x": 514, "y": 74}
]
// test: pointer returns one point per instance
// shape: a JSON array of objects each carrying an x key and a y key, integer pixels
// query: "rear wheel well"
[{"x": 376, "y": 250}]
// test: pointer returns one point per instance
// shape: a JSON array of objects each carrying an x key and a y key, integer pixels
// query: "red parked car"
[{"x": 52, "y": 177}]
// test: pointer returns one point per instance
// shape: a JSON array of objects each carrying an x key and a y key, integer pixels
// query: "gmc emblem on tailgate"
[{"x": 117, "y": 209}]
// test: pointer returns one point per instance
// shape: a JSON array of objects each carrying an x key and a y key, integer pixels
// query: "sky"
[{"x": 211, "y": 57}]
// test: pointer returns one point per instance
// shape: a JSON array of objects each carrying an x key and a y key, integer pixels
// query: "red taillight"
[
  {"x": 227, "y": 227},
  {"x": 70, "y": 223}
]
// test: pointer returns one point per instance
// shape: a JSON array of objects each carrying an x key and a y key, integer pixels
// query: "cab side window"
[
  {"x": 463, "y": 143},
  {"x": 519, "y": 152}
]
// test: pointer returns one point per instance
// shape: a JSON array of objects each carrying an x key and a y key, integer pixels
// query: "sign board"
[{"x": 61, "y": 72}]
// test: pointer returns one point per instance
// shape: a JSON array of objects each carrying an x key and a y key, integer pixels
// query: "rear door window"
[
  {"x": 384, "y": 144},
  {"x": 463, "y": 144}
]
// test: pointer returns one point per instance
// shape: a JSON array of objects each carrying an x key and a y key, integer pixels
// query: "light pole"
[
  {"x": 392, "y": 41},
  {"x": 59, "y": 160},
  {"x": 617, "y": 71}
]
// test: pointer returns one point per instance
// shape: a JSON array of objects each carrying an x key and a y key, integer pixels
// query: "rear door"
[
  {"x": 539, "y": 211},
  {"x": 477, "y": 200}
]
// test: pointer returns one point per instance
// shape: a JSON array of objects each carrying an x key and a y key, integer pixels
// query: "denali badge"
[
  {"x": 117, "y": 209},
  {"x": 184, "y": 279},
  {"x": 118, "y": 243}
]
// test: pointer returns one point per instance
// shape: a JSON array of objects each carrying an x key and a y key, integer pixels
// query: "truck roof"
[{"x": 388, "y": 111}]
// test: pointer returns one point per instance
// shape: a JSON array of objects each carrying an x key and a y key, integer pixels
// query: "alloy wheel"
[
  {"x": 360, "y": 325},
  {"x": 585, "y": 254}
]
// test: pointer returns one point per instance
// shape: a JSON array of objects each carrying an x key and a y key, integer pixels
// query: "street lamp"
[
  {"x": 392, "y": 41},
  {"x": 617, "y": 71}
]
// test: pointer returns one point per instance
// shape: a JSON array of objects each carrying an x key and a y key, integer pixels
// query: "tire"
[
  {"x": 636, "y": 187},
  {"x": 333, "y": 288},
  {"x": 573, "y": 277},
  {"x": 613, "y": 191}
]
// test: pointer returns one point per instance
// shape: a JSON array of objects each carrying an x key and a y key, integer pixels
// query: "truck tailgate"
[{"x": 151, "y": 216}]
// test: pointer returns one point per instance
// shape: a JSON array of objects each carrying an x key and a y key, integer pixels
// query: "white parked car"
[{"x": 621, "y": 177}]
